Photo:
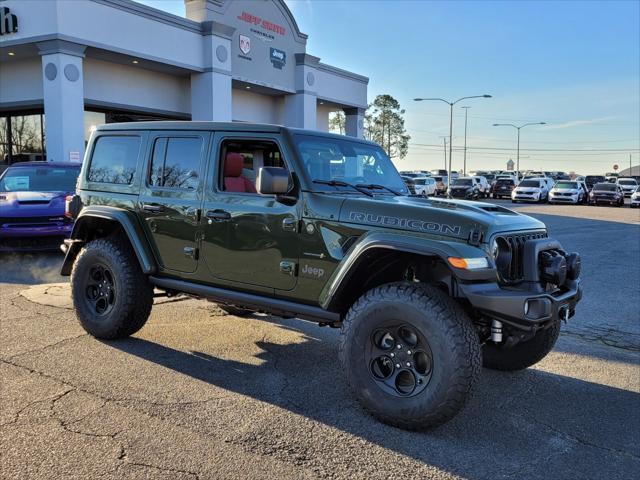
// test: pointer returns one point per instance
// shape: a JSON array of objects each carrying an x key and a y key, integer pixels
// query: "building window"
[
  {"x": 21, "y": 138},
  {"x": 91, "y": 121}
]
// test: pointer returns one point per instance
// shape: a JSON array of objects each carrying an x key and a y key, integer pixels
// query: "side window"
[
  {"x": 240, "y": 161},
  {"x": 175, "y": 162},
  {"x": 114, "y": 159}
]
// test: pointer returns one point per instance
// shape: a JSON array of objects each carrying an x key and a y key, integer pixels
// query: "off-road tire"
[
  {"x": 522, "y": 355},
  {"x": 452, "y": 339},
  {"x": 235, "y": 311},
  {"x": 133, "y": 293}
]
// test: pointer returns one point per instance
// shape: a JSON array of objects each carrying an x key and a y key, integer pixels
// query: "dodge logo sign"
[
  {"x": 8, "y": 21},
  {"x": 278, "y": 58},
  {"x": 245, "y": 44}
]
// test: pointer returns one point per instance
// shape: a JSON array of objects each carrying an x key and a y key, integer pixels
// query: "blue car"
[{"x": 32, "y": 205}]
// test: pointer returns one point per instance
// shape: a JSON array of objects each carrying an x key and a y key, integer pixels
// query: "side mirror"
[{"x": 273, "y": 181}]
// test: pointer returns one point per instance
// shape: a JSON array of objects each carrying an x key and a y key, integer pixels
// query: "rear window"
[
  {"x": 504, "y": 181},
  {"x": 175, "y": 162},
  {"x": 606, "y": 187},
  {"x": 114, "y": 159}
]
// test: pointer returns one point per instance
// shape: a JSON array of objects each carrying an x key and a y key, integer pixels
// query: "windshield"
[
  {"x": 530, "y": 183},
  {"x": 39, "y": 179},
  {"x": 462, "y": 182},
  {"x": 572, "y": 185},
  {"x": 327, "y": 159},
  {"x": 627, "y": 182},
  {"x": 594, "y": 178},
  {"x": 420, "y": 181},
  {"x": 605, "y": 187}
]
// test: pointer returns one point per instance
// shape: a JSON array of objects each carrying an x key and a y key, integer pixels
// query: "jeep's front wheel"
[
  {"x": 411, "y": 355},
  {"x": 521, "y": 355},
  {"x": 111, "y": 295}
]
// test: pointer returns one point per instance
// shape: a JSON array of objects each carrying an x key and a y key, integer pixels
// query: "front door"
[
  {"x": 170, "y": 198},
  {"x": 249, "y": 239}
]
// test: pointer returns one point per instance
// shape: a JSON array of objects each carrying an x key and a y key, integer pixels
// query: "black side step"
[{"x": 248, "y": 300}]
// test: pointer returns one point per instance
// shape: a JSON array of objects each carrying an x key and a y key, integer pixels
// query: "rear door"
[{"x": 170, "y": 197}]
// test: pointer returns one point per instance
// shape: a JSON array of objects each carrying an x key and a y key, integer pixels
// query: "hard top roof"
[{"x": 220, "y": 126}]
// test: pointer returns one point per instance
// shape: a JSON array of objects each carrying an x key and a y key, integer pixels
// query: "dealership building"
[{"x": 68, "y": 65}]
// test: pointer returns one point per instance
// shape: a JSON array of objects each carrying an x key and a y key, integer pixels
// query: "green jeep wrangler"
[{"x": 263, "y": 218}]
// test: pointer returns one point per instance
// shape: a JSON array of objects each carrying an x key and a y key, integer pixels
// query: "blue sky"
[{"x": 574, "y": 65}]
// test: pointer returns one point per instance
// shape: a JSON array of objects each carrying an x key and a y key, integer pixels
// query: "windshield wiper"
[
  {"x": 380, "y": 187},
  {"x": 339, "y": 183}
]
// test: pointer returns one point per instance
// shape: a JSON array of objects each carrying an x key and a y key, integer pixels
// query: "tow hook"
[
  {"x": 496, "y": 331},
  {"x": 564, "y": 314}
]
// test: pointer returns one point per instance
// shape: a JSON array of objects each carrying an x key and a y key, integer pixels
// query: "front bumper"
[
  {"x": 527, "y": 197},
  {"x": 509, "y": 305},
  {"x": 27, "y": 238},
  {"x": 563, "y": 198}
]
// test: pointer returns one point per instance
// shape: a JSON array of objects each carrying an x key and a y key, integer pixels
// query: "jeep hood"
[{"x": 452, "y": 218}]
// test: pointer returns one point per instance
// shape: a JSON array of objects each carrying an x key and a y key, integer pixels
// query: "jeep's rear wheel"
[
  {"x": 521, "y": 355},
  {"x": 111, "y": 295},
  {"x": 411, "y": 355}
]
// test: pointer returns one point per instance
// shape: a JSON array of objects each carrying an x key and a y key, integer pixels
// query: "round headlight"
[{"x": 501, "y": 253}]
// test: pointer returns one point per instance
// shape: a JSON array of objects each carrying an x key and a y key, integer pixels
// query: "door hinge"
[
  {"x": 190, "y": 252},
  {"x": 288, "y": 267},
  {"x": 290, "y": 224}
]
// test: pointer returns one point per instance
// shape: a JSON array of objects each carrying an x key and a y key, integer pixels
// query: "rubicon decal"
[{"x": 412, "y": 224}]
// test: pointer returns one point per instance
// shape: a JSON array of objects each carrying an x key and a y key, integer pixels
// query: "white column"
[
  {"x": 300, "y": 108},
  {"x": 63, "y": 87},
  {"x": 211, "y": 90},
  {"x": 354, "y": 125}
]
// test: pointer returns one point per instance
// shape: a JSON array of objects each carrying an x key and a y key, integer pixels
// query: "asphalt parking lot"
[{"x": 198, "y": 394}]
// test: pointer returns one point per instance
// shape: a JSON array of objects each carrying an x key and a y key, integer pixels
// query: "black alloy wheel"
[
  {"x": 399, "y": 359},
  {"x": 100, "y": 291}
]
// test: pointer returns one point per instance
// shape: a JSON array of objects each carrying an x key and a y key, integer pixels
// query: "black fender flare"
[
  {"x": 125, "y": 219},
  {"x": 407, "y": 243}
]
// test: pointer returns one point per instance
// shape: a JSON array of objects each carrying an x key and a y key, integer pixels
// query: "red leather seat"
[{"x": 233, "y": 179}]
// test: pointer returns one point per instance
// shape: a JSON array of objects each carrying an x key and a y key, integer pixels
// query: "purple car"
[{"x": 32, "y": 205}]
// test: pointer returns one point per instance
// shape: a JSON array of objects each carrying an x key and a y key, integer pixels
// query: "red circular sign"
[{"x": 615, "y": 167}]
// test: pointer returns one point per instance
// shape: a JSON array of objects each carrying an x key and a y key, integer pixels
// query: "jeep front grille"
[{"x": 513, "y": 271}]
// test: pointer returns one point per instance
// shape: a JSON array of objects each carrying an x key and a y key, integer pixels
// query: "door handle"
[
  {"x": 152, "y": 208},
  {"x": 218, "y": 215}
]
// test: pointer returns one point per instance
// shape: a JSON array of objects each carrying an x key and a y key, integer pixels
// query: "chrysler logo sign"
[{"x": 8, "y": 21}]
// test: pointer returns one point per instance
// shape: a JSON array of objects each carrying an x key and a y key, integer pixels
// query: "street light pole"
[
  {"x": 518, "y": 147},
  {"x": 464, "y": 168},
  {"x": 444, "y": 141},
  {"x": 451, "y": 104}
]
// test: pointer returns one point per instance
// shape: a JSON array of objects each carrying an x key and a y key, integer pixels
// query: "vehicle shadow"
[{"x": 514, "y": 418}]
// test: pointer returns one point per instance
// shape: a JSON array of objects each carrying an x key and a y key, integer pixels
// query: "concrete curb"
[{"x": 50, "y": 294}]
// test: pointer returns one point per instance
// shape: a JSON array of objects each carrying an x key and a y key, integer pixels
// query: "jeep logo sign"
[
  {"x": 278, "y": 58},
  {"x": 8, "y": 21}
]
